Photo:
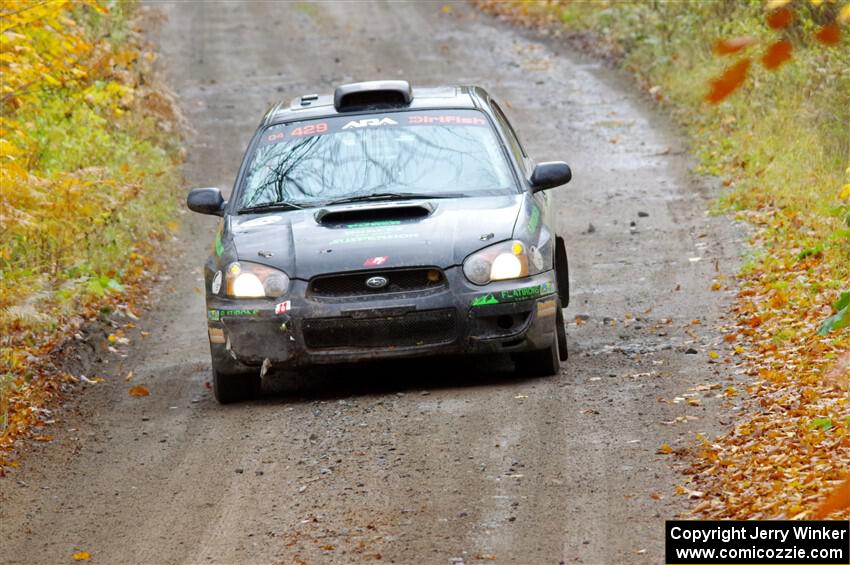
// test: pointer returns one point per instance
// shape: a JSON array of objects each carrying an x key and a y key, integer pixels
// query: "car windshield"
[{"x": 397, "y": 154}]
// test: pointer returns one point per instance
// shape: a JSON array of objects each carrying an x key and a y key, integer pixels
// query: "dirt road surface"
[{"x": 441, "y": 461}]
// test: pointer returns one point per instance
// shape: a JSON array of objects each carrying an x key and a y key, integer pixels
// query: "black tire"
[
  {"x": 229, "y": 388},
  {"x": 562, "y": 271},
  {"x": 542, "y": 363},
  {"x": 563, "y": 352}
]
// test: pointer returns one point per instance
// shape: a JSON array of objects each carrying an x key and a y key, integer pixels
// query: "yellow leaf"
[
  {"x": 713, "y": 354},
  {"x": 837, "y": 500},
  {"x": 112, "y": 338},
  {"x": 138, "y": 391},
  {"x": 845, "y": 190},
  {"x": 664, "y": 449},
  {"x": 844, "y": 15},
  {"x": 81, "y": 556},
  {"x": 776, "y": 4},
  {"x": 693, "y": 401}
]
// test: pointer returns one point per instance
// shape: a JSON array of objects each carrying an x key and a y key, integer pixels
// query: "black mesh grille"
[
  {"x": 414, "y": 328},
  {"x": 354, "y": 284}
]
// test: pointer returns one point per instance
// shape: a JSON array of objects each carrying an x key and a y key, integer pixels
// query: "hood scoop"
[{"x": 373, "y": 214}]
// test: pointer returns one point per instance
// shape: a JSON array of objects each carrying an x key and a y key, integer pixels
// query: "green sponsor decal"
[
  {"x": 534, "y": 220},
  {"x": 514, "y": 294},
  {"x": 377, "y": 224},
  {"x": 219, "y": 314},
  {"x": 519, "y": 293},
  {"x": 219, "y": 248},
  {"x": 484, "y": 300}
]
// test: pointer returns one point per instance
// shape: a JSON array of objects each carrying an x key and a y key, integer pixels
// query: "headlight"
[
  {"x": 503, "y": 261},
  {"x": 250, "y": 280}
]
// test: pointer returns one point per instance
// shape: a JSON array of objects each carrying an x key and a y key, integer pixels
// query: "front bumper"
[{"x": 505, "y": 316}]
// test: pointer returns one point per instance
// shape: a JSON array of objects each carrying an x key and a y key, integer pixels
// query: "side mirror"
[
  {"x": 206, "y": 201},
  {"x": 550, "y": 175}
]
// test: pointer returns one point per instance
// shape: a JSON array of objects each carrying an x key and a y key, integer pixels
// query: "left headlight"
[
  {"x": 503, "y": 261},
  {"x": 250, "y": 280}
]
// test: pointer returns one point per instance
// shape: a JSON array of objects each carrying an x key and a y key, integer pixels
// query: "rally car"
[{"x": 383, "y": 222}]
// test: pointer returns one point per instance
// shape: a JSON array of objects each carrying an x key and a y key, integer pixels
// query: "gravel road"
[{"x": 444, "y": 461}]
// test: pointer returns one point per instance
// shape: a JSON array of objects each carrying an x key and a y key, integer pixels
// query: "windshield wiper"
[
  {"x": 395, "y": 196},
  {"x": 270, "y": 207}
]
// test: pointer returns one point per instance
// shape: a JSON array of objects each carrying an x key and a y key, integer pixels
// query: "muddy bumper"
[{"x": 460, "y": 318}]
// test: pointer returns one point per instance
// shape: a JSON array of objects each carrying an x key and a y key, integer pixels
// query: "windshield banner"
[{"x": 294, "y": 130}]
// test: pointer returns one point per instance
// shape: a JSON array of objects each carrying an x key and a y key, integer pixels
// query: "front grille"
[
  {"x": 354, "y": 284},
  {"x": 429, "y": 327}
]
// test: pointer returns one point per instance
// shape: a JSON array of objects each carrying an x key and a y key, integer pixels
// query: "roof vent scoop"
[{"x": 373, "y": 94}]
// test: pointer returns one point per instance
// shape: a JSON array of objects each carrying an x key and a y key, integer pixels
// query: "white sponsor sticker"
[
  {"x": 536, "y": 258},
  {"x": 367, "y": 122},
  {"x": 216, "y": 282},
  {"x": 261, "y": 221}
]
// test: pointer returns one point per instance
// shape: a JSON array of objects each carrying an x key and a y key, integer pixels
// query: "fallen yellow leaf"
[
  {"x": 839, "y": 499},
  {"x": 138, "y": 391},
  {"x": 664, "y": 449},
  {"x": 81, "y": 556},
  {"x": 713, "y": 354}
]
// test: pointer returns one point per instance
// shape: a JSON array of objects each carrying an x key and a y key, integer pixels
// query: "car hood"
[{"x": 439, "y": 233}]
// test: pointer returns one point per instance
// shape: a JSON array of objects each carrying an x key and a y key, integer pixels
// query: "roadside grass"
[
  {"x": 781, "y": 146},
  {"x": 89, "y": 172}
]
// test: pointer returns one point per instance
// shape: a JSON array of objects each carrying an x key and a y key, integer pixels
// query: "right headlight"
[
  {"x": 503, "y": 261},
  {"x": 250, "y": 280}
]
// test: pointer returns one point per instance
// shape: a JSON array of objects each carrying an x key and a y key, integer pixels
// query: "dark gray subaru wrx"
[{"x": 384, "y": 222}]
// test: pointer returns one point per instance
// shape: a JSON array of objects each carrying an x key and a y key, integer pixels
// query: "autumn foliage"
[
  {"x": 762, "y": 90},
  {"x": 729, "y": 81},
  {"x": 88, "y": 167}
]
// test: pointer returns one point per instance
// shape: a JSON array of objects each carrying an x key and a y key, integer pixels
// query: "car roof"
[{"x": 311, "y": 106}]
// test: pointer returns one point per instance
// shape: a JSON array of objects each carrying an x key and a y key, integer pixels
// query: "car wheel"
[
  {"x": 563, "y": 353},
  {"x": 235, "y": 387},
  {"x": 542, "y": 363}
]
